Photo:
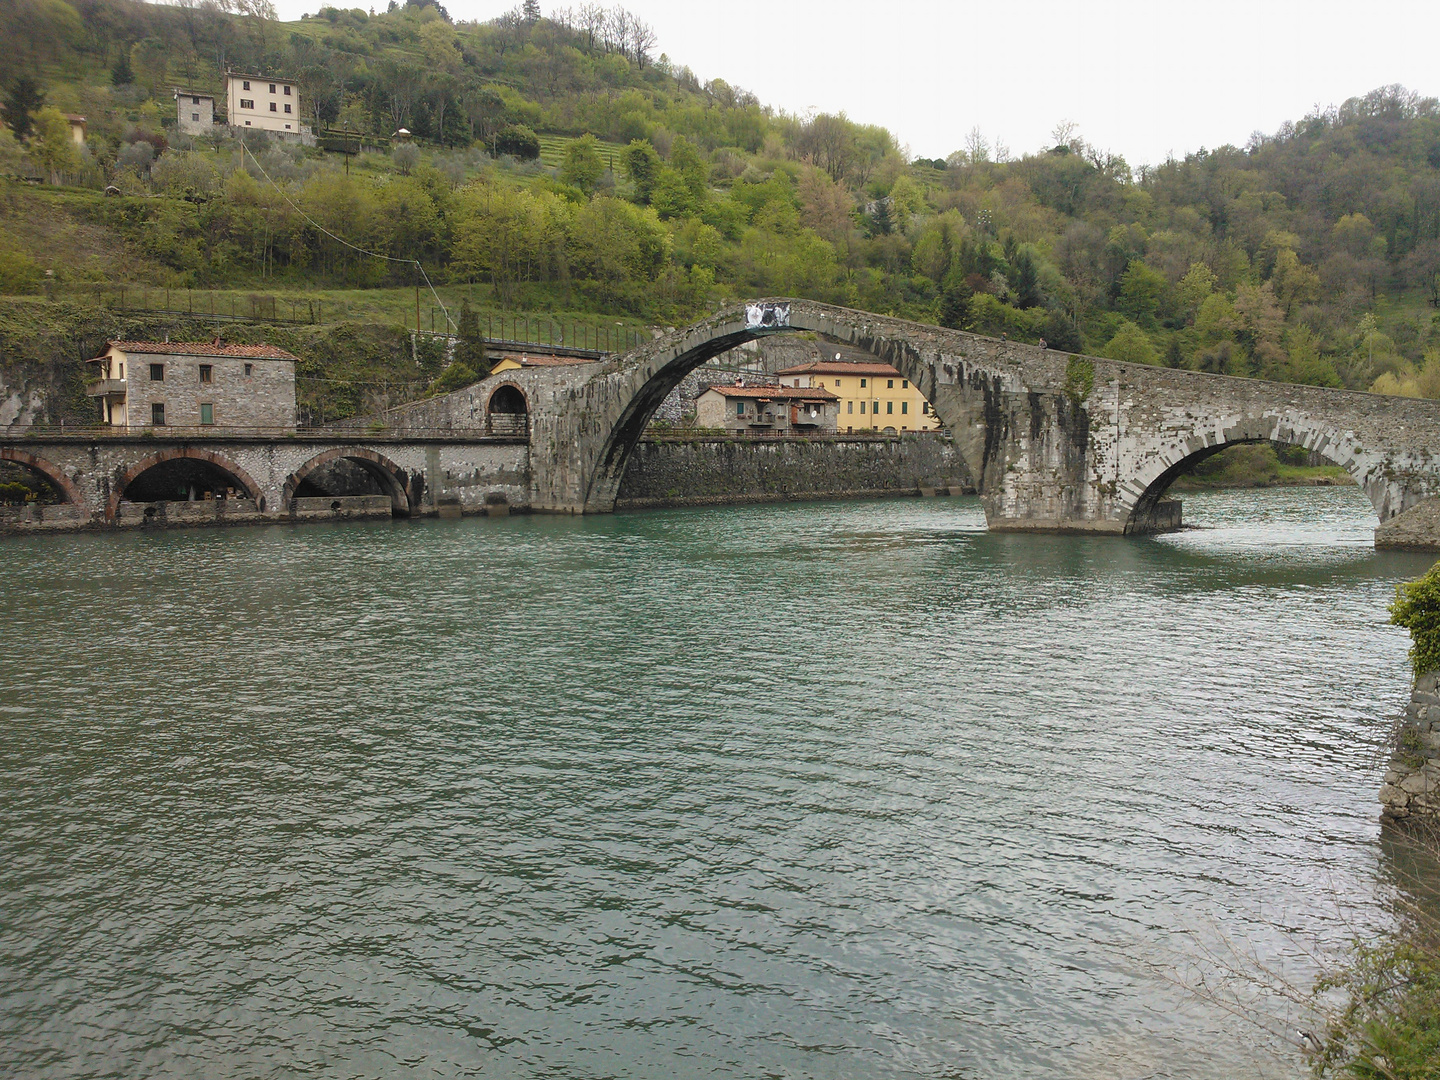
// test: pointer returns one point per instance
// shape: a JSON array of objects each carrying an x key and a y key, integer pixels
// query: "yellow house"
[{"x": 873, "y": 396}]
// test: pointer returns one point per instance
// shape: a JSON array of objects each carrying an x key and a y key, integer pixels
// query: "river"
[{"x": 811, "y": 790}]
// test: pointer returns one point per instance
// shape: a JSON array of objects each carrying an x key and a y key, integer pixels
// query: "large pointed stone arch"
[
  {"x": 588, "y": 442},
  {"x": 125, "y": 476}
]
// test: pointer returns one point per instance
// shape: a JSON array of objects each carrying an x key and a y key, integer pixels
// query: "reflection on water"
[{"x": 811, "y": 790}]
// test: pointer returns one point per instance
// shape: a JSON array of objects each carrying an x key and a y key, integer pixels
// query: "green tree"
[
  {"x": 122, "y": 74},
  {"x": 1131, "y": 346},
  {"x": 52, "y": 147},
  {"x": 1027, "y": 281},
  {"x": 642, "y": 166},
  {"x": 955, "y": 300},
  {"x": 518, "y": 141},
  {"x": 1142, "y": 291},
  {"x": 470, "y": 343},
  {"x": 21, "y": 103},
  {"x": 582, "y": 166}
]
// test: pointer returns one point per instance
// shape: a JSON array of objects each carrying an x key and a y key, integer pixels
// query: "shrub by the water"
[{"x": 1417, "y": 608}]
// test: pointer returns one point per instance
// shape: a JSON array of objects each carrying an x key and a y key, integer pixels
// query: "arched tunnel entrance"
[
  {"x": 346, "y": 473},
  {"x": 507, "y": 412},
  {"x": 184, "y": 479}
]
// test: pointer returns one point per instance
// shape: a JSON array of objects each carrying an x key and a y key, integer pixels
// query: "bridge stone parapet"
[{"x": 1056, "y": 442}]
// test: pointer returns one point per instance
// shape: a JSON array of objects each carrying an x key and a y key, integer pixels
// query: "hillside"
[{"x": 560, "y": 166}]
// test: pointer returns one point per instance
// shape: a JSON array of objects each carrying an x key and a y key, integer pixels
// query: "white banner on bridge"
[{"x": 767, "y": 316}]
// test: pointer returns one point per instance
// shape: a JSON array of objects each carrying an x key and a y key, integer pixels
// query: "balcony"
[{"x": 106, "y": 388}]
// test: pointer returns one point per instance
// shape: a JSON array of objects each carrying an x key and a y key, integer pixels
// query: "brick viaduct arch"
[
  {"x": 47, "y": 469},
  {"x": 126, "y": 476},
  {"x": 391, "y": 477},
  {"x": 1055, "y": 442}
]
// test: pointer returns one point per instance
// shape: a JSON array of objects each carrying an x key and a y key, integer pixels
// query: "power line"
[{"x": 341, "y": 240}]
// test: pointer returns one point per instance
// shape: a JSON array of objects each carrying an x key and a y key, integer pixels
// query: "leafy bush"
[
  {"x": 1417, "y": 608},
  {"x": 18, "y": 273},
  {"x": 518, "y": 141}
]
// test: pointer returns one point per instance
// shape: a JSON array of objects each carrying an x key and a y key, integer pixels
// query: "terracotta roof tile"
[
  {"x": 841, "y": 367},
  {"x": 776, "y": 393},
  {"x": 202, "y": 348}
]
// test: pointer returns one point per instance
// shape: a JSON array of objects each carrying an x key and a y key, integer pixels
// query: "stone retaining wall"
[
  {"x": 1412, "y": 783},
  {"x": 716, "y": 470}
]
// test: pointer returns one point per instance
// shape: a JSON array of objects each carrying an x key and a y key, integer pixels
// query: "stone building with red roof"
[
  {"x": 767, "y": 410},
  {"x": 194, "y": 384}
]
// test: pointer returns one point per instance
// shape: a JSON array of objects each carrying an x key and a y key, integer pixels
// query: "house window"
[
  {"x": 247, "y": 123},
  {"x": 287, "y": 106},
  {"x": 904, "y": 384},
  {"x": 195, "y": 116},
  {"x": 849, "y": 406},
  {"x": 207, "y": 413},
  {"x": 247, "y": 103},
  {"x": 862, "y": 408},
  {"x": 904, "y": 408},
  {"x": 287, "y": 127},
  {"x": 207, "y": 373},
  {"x": 797, "y": 382},
  {"x": 272, "y": 88},
  {"x": 272, "y": 107},
  {"x": 889, "y": 384},
  {"x": 890, "y": 405},
  {"x": 249, "y": 370},
  {"x": 194, "y": 101},
  {"x": 245, "y": 85},
  {"x": 122, "y": 369},
  {"x": 837, "y": 384},
  {"x": 157, "y": 414},
  {"x": 862, "y": 382},
  {"x": 739, "y": 408},
  {"x": 924, "y": 408},
  {"x": 157, "y": 372},
  {"x": 287, "y": 91}
]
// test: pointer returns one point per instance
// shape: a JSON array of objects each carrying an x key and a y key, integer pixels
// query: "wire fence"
[{"x": 500, "y": 331}]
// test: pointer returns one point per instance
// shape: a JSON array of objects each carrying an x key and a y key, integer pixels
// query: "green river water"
[{"x": 814, "y": 790}]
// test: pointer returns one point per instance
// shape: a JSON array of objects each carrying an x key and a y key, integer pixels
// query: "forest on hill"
[{"x": 558, "y": 162}]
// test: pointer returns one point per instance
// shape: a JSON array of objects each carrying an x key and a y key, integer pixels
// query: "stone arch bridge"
[
  {"x": 95, "y": 473},
  {"x": 1054, "y": 441}
]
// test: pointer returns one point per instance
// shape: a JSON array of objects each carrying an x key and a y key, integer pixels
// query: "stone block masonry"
[
  {"x": 1411, "y": 791},
  {"x": 701, "y": 471}
]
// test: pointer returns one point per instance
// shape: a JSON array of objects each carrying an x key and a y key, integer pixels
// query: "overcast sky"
[{"x": 1141, "y": 79}]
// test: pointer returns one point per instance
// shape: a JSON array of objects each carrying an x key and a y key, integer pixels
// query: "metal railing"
[{"x": 496, "y": 426}]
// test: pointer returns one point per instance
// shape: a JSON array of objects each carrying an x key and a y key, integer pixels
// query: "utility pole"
[{"x": 417, "y": 296}]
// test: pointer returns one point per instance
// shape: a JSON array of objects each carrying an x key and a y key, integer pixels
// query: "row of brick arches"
[{"x": 188, "y": 473}]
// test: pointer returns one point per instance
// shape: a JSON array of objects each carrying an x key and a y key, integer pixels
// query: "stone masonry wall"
[
  {"x": 713, "y": 471},
  {"x": 1412, "y": 783}
]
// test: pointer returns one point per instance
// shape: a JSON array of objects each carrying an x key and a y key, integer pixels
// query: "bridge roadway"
[{"x": 1055, "y": 442}]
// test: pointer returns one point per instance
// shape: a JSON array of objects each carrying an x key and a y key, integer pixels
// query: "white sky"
[{"x": 1141, "y": 79}]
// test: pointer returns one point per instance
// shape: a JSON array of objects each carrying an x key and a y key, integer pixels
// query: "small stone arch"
[
  {"x": 391, "y": 477},
  {"x": 507, "y": 398},
  {"x": 1143, "y": 492},
  {"x": 507, "y": 412},
  {"x": 124, "y": 478},
  {"x": 47, "y": 469}
]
